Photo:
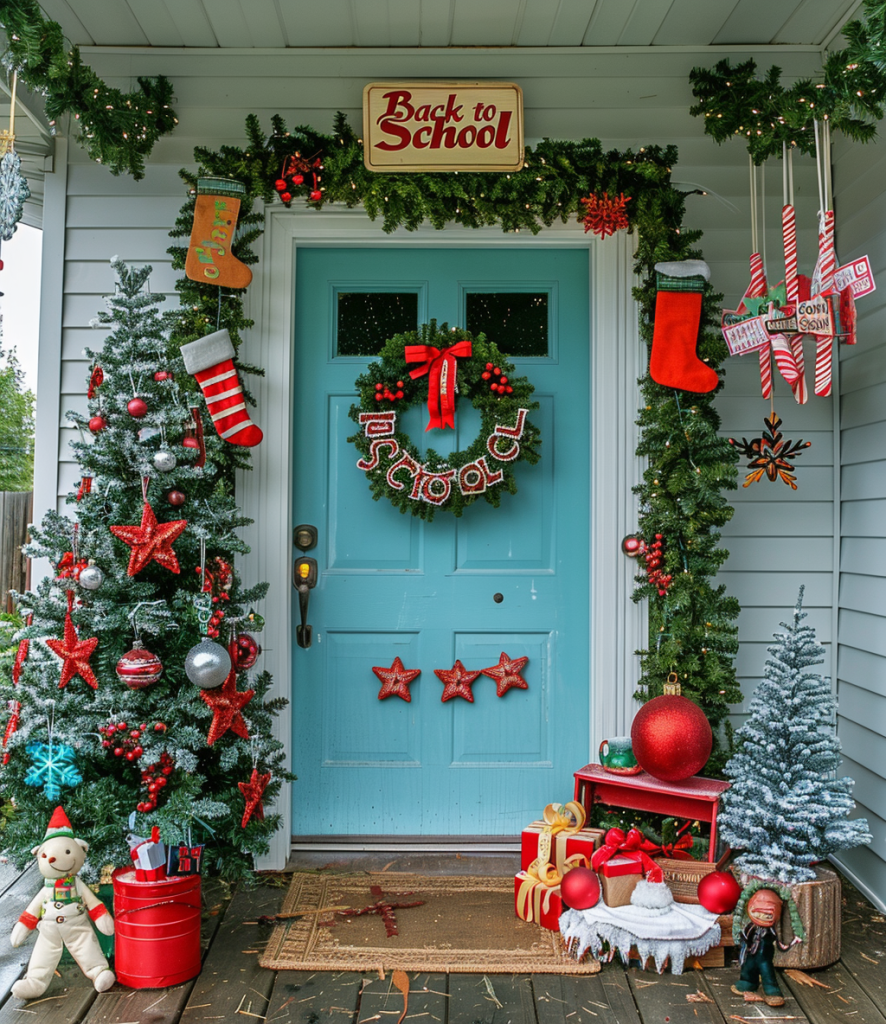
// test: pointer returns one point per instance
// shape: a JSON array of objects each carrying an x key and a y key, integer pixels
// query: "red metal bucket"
[{"x": 157, "y": 930}]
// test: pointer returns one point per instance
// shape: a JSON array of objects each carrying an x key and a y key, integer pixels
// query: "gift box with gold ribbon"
[
  {"x": 536, "y": 902},
  {"x": 557, "y": 837}
]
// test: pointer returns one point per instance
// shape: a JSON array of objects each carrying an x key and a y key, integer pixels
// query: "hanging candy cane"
[
  {"x": 755, "y": 290},
  {"x": 792, "y": 291},
  {"x": 827, "y": 263}
]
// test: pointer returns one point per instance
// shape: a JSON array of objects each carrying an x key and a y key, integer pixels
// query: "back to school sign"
[{"x": 443, "y": 126}]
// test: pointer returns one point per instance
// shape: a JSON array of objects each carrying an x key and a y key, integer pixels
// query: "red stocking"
[{"x": 674, "y": 362}]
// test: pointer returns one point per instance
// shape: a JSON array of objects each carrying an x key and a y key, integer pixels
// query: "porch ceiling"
[{"x": 435, "y": 23}]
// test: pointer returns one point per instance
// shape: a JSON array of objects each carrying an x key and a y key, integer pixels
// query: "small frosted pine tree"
[{"x": 786, "y": 807}]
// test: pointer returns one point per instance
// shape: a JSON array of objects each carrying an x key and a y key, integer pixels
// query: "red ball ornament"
[
  {"x": 137, "y": 407},
  {"x": 286, "y": 197},
  {"x": 580, "y": 888},
  {"x": 280, "y": 184},
  {"x": 316, "y": 195},
  {"x": 297, "y": 179},
  {"x": 671, "y": 737},
  {"x": 176, "y": 498},
  {"x": 632, "y": 545},
  {"x": 719, "y": 892},
  {"x": 247, "y": 651},
  {"x": 162, "y": 375},
  {"x": 97, "y": 423},
  {"x": 138, "y": 668}
]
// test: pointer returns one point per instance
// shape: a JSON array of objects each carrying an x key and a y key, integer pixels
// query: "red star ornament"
[
  {"x": 395, "y": 680},
  {"x": 150, "y": 541},
  {"x": 458, "y": 682},
  {"x": 253, "y": 792},
  {"x": 75, "y": 655},
  {"x": 226, "y": 703},
  {"x": 507, "y": 674}
]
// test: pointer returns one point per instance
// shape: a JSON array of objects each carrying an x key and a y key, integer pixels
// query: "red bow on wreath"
[
  {"x": 633, "y": 845},
  {"x": 440, "y": 368}
]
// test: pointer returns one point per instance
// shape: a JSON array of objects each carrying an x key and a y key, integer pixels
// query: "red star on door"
[
  {"x": 395, "y": 680},
  {"x": 507, "y": 674},
  {"x": 458, "y": 682}
]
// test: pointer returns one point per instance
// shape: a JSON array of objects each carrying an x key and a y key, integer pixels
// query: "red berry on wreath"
[
  {"x": 162, "y": 375},
  {"x": 121, "y": 726},
  {"x": 106, "y": 743},
  {"x": 485, "y": 375},
  {"x": 399, "y": 394},
  {"x": 298, "y": 179},
  {"x": 489, "y": 366},
  {"x": 137, "y": 407},
  {"x": 176, "y": 498},
  {"x": 286, "y": 197},
  {"x": 316, "y": 195},
  {"x": 280, "y": 184},
  {"x": 97, "y": 423},
  {"x": 400, "y": 384},
  {"x": 496, "y": 370}
]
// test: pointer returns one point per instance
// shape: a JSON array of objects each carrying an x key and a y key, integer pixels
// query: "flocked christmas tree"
[
  {"x": 103, "y": 716},
  {"x": 786, "y": 807}
]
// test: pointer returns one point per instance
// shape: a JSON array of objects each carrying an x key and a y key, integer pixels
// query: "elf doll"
[{"x": 761, "y": 904}]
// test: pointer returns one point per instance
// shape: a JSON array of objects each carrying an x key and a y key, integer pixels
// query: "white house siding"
[
  {"x": 628, "y": 98},
  {"x": 860, "y": 207}
]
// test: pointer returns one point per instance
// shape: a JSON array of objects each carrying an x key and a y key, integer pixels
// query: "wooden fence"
[{"x": 16, "y": 509}]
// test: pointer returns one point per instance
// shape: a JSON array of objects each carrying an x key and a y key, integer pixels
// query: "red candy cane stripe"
[
  {"x": 792, "y": 291},
  {"x": 824, "y": 349},
  {"x": 756, "y": 288}
]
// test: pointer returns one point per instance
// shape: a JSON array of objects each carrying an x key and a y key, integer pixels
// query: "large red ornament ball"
[
  {"x": 139, "y": 668},
  {"x": 671, "y": 738},
  {"x": 97, "y": 423},
  {"x": 580, "y": 888},
  {"x": 137, "y": 407},
  {"x": 719, "y": 892},
  {"x": 248, "y": 651}
]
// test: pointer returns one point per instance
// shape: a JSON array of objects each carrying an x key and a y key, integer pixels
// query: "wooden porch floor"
[{"x": 232, "y": 987}]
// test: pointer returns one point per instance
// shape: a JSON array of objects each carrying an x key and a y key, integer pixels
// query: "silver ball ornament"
[
  {"x": 207, "y": 664},
  {"x": 164, "y": 461},
  {"x": 91, "y": 578}
]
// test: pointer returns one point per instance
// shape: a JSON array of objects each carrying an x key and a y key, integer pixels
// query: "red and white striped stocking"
[{"x": 211, "y": 361}]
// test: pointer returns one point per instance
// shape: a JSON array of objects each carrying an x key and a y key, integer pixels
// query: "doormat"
[{"x": 385, "y": 921}]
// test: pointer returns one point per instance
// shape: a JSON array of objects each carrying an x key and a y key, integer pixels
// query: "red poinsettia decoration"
[{"x": 605, "y": 216}]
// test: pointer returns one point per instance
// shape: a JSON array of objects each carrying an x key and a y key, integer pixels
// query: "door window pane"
[
  {"x": 366, "y": 320},
  {"x": 517, "y": 322}
]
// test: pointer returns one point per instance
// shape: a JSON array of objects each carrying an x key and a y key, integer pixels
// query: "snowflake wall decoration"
[
  {"x": 13, "y": 193},
  {"x": 770, "y": 454}
]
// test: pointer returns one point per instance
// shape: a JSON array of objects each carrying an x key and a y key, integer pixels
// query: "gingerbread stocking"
[
  {"x": 209, "y": 258},
  {"x": 211, "y": 361},
  {"x": 674, "y": 362}
]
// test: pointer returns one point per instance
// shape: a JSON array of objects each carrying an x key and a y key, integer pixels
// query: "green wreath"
[{"x": 422, "y": 485}]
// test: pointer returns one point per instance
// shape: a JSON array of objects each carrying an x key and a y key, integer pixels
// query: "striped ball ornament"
[{"x": 139, "y": 668}]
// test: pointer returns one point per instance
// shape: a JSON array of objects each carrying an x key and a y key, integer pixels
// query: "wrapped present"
[
  {"x": 560, "y": 836},
  {"x": 184, "y": 859},
  {"x": 618, "y": 879},
  {"x": 536, "y": 902},
  {"x": 148, "y": 856}
]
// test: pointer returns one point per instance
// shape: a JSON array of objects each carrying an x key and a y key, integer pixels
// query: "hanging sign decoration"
[
  {"x": 421, "y": 484},
  {"x": 443, "y": 126}
]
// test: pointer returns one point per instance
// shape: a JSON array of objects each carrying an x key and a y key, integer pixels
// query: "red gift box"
[
  {"x": 536, "y": 902},
  {"x": 558, "y": 837},
  {"x": 619, "y": 877},
  {"x": 621, "y": 866}
]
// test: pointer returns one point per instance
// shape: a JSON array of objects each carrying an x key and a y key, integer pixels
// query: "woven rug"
[{"x": 459, "y": 924}]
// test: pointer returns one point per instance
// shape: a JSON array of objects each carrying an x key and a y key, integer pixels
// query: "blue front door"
[{"x": 512, "y": 579}]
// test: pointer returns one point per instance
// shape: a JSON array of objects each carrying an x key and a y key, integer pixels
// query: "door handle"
[{"x": 304, "y": 579}]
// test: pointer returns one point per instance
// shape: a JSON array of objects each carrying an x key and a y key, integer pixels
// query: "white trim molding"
[{"x": 616, "y": 626}]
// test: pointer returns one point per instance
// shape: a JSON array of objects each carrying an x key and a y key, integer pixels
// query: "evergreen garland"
[
  {"x": 692, "y": 625},
  {"x": 117, "y": 129},
  {"x": 851, "y": 94}
]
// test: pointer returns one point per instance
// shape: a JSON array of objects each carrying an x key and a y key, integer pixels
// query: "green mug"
[{"x": 619, "y": 757}]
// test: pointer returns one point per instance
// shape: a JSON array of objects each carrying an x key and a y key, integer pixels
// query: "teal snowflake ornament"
[
  {"x": 13, "y": 193},
  {"x": 53, "y": 767}
]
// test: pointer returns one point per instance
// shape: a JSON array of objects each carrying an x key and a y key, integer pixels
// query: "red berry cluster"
[
  {"x": 216, "y": 582},
  {"x": 499, "y": 381},
  {"x": 126, "y": 742},
  {"x": 384, "y": 394},
  {"x": 154, "y": 779},
  {"x": 653, "y": 556},
  {"x": 295, "y": 168}
]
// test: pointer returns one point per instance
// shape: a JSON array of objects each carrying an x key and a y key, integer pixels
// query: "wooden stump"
[{"x": 819, "y": 903}]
